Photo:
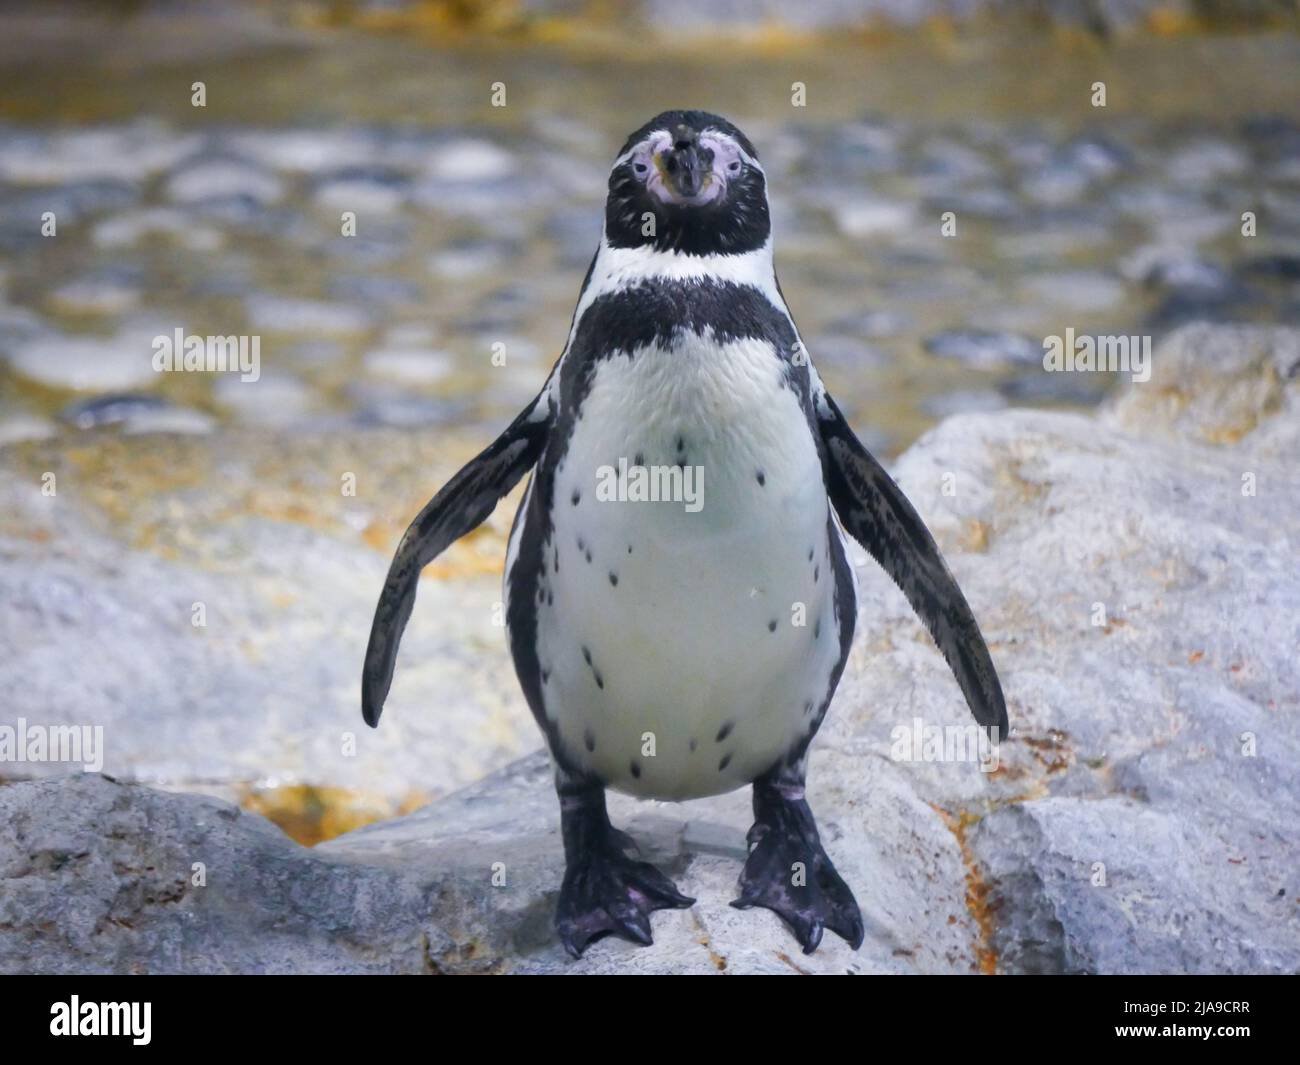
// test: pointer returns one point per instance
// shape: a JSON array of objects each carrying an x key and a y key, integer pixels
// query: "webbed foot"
[
  {"x": 605, "y": 892},
  {"x": 789, "y": 873}
]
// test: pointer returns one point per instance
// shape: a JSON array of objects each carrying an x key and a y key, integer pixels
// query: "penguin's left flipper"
[
  {"x": 461, "y": 506},
  {"x": 878, "y": 515}
]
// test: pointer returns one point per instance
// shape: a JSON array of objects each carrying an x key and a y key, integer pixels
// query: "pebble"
[
  {"x": 286, "y": 314},
  {"x": 274, "y": 399},
  {"x": 392, "y": 406},
  {"x": 17, "y": 427},
  {"x": 130, "y": 153},
  {"x": 220, "y": 179},
  {"x": 984, "y": 349},
  {"x": 136, "y": 414},
  {"x": 415, "y": 366},
  {"x": 1207, "y": 162},
  {"x": 967, "y": 401},
  {"x": 361, "y": 195},
  {"x": 466, "y": 259},
  {"x": 307, "y": 151},
  {"x": 863, "y": 217},
  {"x": 1079, "y": 290},
  {"x": 131, "y": 227},
  {"x": 88, "y": 363},
  {"x": 470, "y": 160},
  {"x": 1171, "y": 267},
  {"x": 95, "y": 296}
]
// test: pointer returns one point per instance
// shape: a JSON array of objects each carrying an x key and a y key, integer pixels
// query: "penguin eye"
[
  {"x": 734, "y": 166},
  {"x": 640, "y": 168}
]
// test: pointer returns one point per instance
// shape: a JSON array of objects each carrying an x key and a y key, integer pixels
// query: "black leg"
[
  {"x": 604, "y": 891},
  {"x": 788, "y": 872}
]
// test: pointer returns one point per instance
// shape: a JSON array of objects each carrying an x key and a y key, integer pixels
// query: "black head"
[{"x": 691, "y": 182}]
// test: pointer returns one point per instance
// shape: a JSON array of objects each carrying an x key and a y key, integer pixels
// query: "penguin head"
[{"x": 690, "y": 182}]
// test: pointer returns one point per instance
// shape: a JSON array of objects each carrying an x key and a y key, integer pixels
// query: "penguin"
[{"x": 679, "y": 602}]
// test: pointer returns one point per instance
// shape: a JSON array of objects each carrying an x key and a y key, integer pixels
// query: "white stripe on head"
[{"x": 658, "y": 139}]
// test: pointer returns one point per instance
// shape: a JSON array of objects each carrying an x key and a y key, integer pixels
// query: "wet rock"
[
  {"x": 131, "y": 227},
  {"x": 985, "y": 349},
  {"x": 222, "y": 179},
  {"x": 274, "y": 399},
  {"x": 863, "y": 217},
  {"x": 968, "y": 401},
  {"x": 17, "y": 426},
  {"x": 416, "y": 366},
  {"x": 91, "y": 364},
  {"x": 1172, "y": 267},
  {"x": 96, "y": 296},
  {"x": 125, "y": 153},
  {"x": 1068, "y": 389},
  {"x": 285, "y": 314},
  {"x": 1207, "y": 162},
  {"x": 135, "y": 414},
  {"x": 465, "y": 259},
  {"x": 1077, "y": 290},
  {"x": 365, "y": 190}
]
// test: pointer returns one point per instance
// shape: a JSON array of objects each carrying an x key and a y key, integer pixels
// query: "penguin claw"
[{"x": 607, "y": 893}]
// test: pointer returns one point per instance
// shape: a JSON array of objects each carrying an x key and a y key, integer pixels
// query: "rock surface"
[{"x": 1135, "y": 576}]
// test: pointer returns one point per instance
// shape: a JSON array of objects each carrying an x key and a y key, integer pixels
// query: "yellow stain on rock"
[
  {"x": 977, "y": 888},
  {"x": 309, "y": 815}
]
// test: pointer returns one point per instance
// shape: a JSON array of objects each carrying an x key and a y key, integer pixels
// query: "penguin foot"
[
  {"x": 607, "y": 893},
  {"x": 789, "y": 873}
]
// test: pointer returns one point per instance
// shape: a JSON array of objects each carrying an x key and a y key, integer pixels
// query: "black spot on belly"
[
  {"x": 810, "y": 554},
  {"x": 629, "y": 549},
  {"x": 817, "y": 572},
  {"x": 817, "y": 630},
  {"x": 588, "y": 554},
  {"x": 586, "y": 654},
  {"x": 557, "y": 560},
  {"x": 589, "y": 739},
  {"x": 639, "y": 460},
  {"x": 771, "y": 625},
  {"x": 693, "y": 746},
  {"x": 546, "y": 675},
  {"x": 581, "y": 546},
  {"x": 600, "y": 681},
  {"x": 634, "y": 769},
  {"x": 762, "y": 480},
  {"x": 681, "y": 443},
  {"x": 724, "y": 732},
  {"x": 577, "y": 496},
  {"x": 808, "y": 707},
  {"x": 726, "y": 761},
  {"x": 613, "y": 578}
]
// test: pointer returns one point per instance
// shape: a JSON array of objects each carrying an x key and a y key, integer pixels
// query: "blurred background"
[{"x": 474, "y": 226}]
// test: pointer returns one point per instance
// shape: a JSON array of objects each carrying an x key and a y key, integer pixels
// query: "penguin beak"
[
  {"x": 685, "y": 172},
  {"x": 686, "y": 169}
]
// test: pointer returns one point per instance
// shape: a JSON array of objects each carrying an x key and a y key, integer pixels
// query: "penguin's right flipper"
[
  {"x": 461, "y": 506},
  {"x": 874, "y": 509}
]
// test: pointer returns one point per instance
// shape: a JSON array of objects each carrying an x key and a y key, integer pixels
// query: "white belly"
[{"x": 687, "y": 645}]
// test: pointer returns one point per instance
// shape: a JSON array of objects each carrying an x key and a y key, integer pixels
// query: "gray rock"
[
  {"x": 109, "y": 872},
  {"x": 1133, "y": 572}
]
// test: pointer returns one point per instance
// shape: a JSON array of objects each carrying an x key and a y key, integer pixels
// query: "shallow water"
[{"x": 475, "y": 223}]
